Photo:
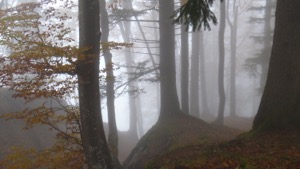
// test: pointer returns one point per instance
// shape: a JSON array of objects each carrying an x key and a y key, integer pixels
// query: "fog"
[
  {"x": 247, "y": 83},
  {"x": 137, "y": 88}
]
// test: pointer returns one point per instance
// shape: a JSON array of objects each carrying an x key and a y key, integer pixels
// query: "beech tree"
[
  {"x": 110, "y": 81},
  {"x": 40, "y": 50},
  {"x": 92, "y": 135}
]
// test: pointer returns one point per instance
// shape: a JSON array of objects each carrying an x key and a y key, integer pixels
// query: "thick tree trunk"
[
  {"x": 280, "y": 104},
  {"x": 92, "y": 133},
  {"x": 184, "y": 70},
  {"x": 169, "y": 97},
  {"x": 220, "y": 118}
]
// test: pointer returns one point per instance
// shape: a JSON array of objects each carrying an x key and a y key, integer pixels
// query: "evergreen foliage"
[{"x": 195, "y": 13}]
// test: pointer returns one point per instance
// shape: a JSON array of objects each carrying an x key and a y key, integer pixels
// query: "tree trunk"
[
  {"x": 132, "y": 86},
  {"x": 169, "y": 97},
  {"x": 220, "y": 118},
  {"x": 184, "y": 70},
  {"x": 110, "y": 81},
  {"x": 280, "y": 104},
  {"x": 205, "y": 109},
  {"x": 267, "y": 44},
  {"x": 194, "y": 87},
  {"x": 92, "y": 133},
  {"x": 233, "y": 33},
  {"x": 140, "y": 120}
]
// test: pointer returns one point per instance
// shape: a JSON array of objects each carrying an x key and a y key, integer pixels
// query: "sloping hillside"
[
  {"x": 187, "y": 143},
  {"x": 172, "y": 134}
]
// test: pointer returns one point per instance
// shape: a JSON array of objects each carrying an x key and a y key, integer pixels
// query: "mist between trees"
[{"x": 67, "y": 69}]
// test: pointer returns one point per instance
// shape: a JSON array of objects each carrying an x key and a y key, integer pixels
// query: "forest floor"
[{"x": 188, "y": 143}]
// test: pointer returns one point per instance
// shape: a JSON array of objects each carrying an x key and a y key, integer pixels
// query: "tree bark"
[
  {"x": 220, "y": 118},
  {"x": 184, "y": 70},
  {"x": 233, "y": 33},
  {"x": 280, "y": 103},
  {"x": 203, "y": 89},
  {"x": 169, "y": 97},
  {"x": 92, "y": 135},
  {"x": 194, "y": 86},
  {"x": 113, "y": 139}
]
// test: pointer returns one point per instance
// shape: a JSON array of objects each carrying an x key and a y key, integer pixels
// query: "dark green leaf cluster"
[{"x": 195, "y": 13}]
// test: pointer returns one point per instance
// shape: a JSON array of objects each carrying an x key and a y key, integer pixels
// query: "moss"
[
  {"x": 263, "y": 127},
  {"x": 249, "y": 134}
]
